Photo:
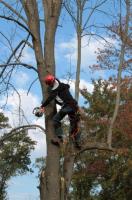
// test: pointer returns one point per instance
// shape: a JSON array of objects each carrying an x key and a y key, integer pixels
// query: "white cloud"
[
  {"x": 41, "y": 146},
  {"x": 28, "y": 56},
  {"x": 83, "y": 84},
  {"x": 89, "y": 47},
  {"x": 39, "y": 136},
  {"x": 28, "y": 102},
  {"x": 21, "y": 79}
]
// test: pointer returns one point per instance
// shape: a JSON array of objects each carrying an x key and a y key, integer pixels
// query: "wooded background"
[{"x": 102, "y": 169}]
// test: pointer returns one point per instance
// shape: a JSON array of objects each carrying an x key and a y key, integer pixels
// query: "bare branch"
[
  {"x": 6, "y": 75},
  {"x": 23, "y": 64},
  {"x": 16, "y": 21},
  {"x": 69, "y": 10},
  {"x": 95, "y": 145},
  {"x": 8, "y": 40},
  {"x": 91, "y": 13},
  {"x": 14, "y": 11},
  {"x": 13, "y": 53},
  {"x": 18, "y": 130},
  {"x": 7, "y": 94},
  {"x": 95, "y": 34},
  {"x": 17, "y": 59},
  {"x": 31, "y": 85}
]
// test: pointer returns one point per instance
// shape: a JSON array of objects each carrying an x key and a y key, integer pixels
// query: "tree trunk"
[
  {"x": 78, "y": 66},
  {"x": 31, "y": 11},
  {"x": 79, "y": 39},
  {"x": 46, "y": 64},
  {"x": 68, "y": 169},
  {"x": 42, "y": 186},
  {"x": 52, "y": 10},
  {"x": 121, "y": 62}
]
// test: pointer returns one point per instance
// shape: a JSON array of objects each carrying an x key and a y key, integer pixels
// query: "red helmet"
[{"x": 49, "y": 79}]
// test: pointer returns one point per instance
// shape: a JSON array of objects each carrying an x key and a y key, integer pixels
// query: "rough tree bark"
[
  {"x": 46, "y": 64},
  {"x": 52, "y": 10},
  {"x": 42, "y": 188},
  {"x": 68, "y": 168}
]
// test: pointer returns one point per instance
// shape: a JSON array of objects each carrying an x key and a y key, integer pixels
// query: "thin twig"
[
  {"x": 23, "y": 64},
  {"x": 14, "y": 11},
  {"x": 31, "y": 85}
]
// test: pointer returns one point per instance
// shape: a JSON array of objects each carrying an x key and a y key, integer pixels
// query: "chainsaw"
[{"x": 37, "y": 112}]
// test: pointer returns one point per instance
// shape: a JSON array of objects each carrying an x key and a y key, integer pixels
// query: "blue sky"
[{"x": 25, "y": 187}]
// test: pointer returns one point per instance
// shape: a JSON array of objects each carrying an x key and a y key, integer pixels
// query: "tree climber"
[{"x": 59, "y": 92}]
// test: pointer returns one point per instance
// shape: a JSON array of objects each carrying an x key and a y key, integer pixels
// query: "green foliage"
[
  {"x": 117, "y": 181},
  {"x": 101, "y": 100},
  {"x": 100, "y": 107},
  {"x": 3, "y": 121},
  {"x": 102, "y": 176},
  {"x": 85, "y": 173},
  {"x": 14, "y": 157}
]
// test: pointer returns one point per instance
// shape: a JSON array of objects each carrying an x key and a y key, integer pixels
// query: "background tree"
[
  {"x": 14, "y": 156},
  {"x": 81, "y": 13},
  {"x": 117, "y": 55},
  {"x": 96, "y": 175}
]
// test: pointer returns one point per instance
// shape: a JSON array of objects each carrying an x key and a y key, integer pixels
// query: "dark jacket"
[{"x": 62, "y": 91}]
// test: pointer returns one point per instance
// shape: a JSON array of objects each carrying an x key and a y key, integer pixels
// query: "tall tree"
[
  {"x": 120, "y": 66},
  {"x": 82, "y": 23},
  {"x": 117, "y": 55},
  {"x": 30, "y": 22}
]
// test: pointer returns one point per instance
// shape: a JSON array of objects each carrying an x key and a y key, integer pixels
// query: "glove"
[{"x": 42, "y": 109}]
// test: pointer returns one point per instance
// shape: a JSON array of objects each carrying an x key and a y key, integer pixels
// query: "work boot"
[
  {"x": 77, "y": 145},
  {"x": 76, "y": 140}
]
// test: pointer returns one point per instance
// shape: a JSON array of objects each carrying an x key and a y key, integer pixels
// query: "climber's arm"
[{"x": 49, "y": 99}]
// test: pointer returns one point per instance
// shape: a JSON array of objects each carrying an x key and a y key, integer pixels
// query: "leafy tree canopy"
[
  {"x": 14, "y": 156},
  {"x": 109, "y": 172}
]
